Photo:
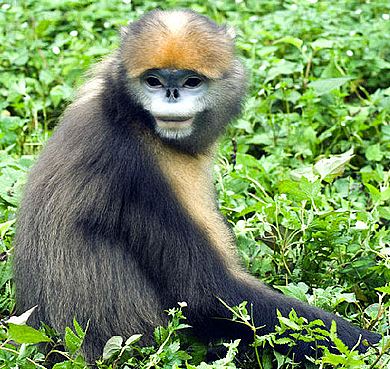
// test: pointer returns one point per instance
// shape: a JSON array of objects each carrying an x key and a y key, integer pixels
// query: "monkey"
[{"x": 119, "y": 219}]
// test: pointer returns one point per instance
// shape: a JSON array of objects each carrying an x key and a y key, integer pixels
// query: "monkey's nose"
[{"x": 172, "y": 94}]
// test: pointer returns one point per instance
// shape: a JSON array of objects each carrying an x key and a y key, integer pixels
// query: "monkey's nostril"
[{"x": 172, "y": 94}]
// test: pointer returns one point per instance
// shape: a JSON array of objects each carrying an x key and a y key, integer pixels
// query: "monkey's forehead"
[{"x": 178, "y": 39}]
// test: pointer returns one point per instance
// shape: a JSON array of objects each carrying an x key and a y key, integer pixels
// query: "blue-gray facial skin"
[{"x": 174, "y": 97}]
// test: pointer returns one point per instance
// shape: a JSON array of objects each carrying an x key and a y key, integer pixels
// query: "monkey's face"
[{"x": 173, "y": 98}]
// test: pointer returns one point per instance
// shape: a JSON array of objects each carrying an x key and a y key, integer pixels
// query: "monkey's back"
[{"x": 78, "y": 226}]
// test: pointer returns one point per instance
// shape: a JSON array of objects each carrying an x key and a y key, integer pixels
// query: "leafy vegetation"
[{"x": 305, "y": 181}]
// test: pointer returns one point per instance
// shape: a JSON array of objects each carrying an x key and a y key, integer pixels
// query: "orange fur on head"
[{"x": 178, "y": 39}]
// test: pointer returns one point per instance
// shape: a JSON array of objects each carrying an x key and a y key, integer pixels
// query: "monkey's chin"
[
  {"x": 174, "y": 125},
  {"x": 174, "y": 129}
]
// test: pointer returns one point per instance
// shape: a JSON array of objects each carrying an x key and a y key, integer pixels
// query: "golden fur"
[
  {"x": 177, "y": 40},
  {"x": 192, "y": 181}
]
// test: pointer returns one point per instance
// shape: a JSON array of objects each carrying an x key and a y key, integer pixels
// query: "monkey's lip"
[{"x": 174, "y": 124}]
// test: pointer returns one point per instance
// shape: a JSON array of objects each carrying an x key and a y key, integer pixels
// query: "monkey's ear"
[{"x": 231, "y": 32}]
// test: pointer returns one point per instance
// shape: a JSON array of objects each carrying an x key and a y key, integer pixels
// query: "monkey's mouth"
[{"x": 174, "y": 123}]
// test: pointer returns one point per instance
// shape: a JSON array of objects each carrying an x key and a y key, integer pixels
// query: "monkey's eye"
[
  {"x": 192, "y": 82},
  {"x": 153, "y": 82}
]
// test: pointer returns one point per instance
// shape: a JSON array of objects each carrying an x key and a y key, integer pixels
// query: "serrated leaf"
[
  {"x": 310, "y": 188},
  {"x": 73, "y": 342},
  {"x": 283, "y": 341},
  {"x": 112, "y": 347},
  {"x": 174, "y": 346},
  {"x": 305, "y": 338},
  {"x": 384, "y": 289},
  {"x": 289, "y": 323},
  {"x": 25, "y": 334},
  {"x": 78, "y": 329},
  {"x": 333, "y": 359},
  {"x": 317, "y": 322}
]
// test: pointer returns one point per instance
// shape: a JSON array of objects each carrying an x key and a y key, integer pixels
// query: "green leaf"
[
  {"x": 322, "y": 43},
  {"x": 385, "y": 194},
  {"x": 324, "y": 86},
  {"x": 78, "y": 329},
  {"x": 283, "y": 67},
  {"x": 384, "y": 212},
  {"x": 384, "y": 289},
  {"x": 296, "y": 174},
  {"x": 73, "y": 342},
  {"x": 310, "y": 188},
  {"x": 329, "y": 169},
  {"x": 374, "y": 192},
  {"x": 133, "y": 339},
  {"x": 47, "y": 76},
  {"x": 5, "y": 272},
  {"x": 333, "y": 70},
  {"x": 112, "y": 347},
  {"x": 291, "y": 40},
  {"x": 373, "y": 152},
  {"x": 373, "y": 309},
  {"x": 64, "y": 365},
  {"x": 247, "y": 160},
  {"x": 288, "y": 186},
  {"x": 56, "y": 95},
  {"x": 289, "y": 323},
  {"x": 9, "y": 184},
  {"x": 333, "y": 359},
  {"x": 296, "y": 291},
  {"x": 25, "y": 334},
  {"x": 260, "y": 139},
  {"x": 4, "y": 227}
]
